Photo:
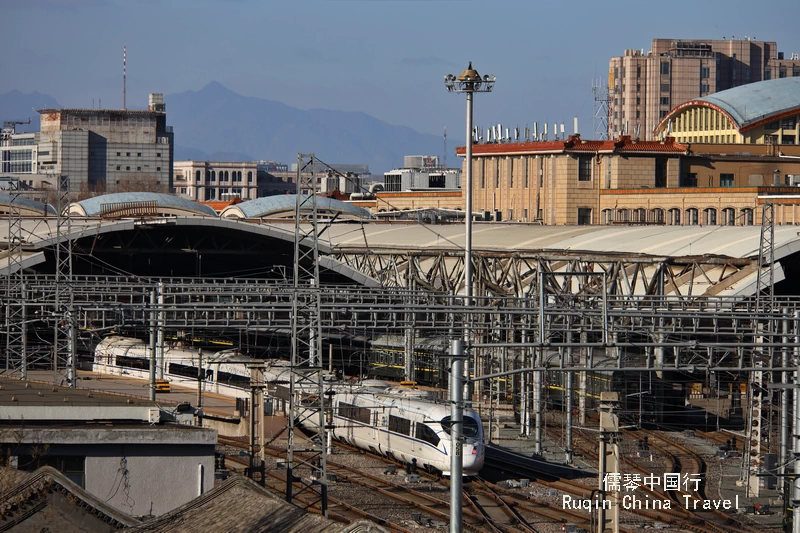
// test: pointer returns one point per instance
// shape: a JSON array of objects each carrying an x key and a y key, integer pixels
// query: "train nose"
[{"x": 472, "y": 458}]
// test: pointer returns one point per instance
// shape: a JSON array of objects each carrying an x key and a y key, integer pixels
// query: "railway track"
[{"x": 681, "y": 460}]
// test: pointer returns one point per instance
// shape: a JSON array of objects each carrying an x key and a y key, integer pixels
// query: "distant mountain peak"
[{"x": 215, "y": 87}]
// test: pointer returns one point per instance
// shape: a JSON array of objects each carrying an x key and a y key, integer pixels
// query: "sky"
[{"x": 385, "y": 58}]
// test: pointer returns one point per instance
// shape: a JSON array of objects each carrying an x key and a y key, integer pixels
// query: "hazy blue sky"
[{"x": 385, "y": 58}]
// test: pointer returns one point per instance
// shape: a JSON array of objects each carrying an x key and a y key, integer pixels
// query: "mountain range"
[{"x": 216, "y": 123}]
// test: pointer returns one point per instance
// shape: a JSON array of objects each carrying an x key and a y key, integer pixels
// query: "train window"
[
  {"x": 471, "y": 427},
  {"x": 133, "y": 362},
  {"x": 427, "y": 434},
  {"x": 233, "y": 379},
  {"x": 183, "y": 370},
  {"x": 359, "y": 414},
  {"x": 399, "y": 425}
]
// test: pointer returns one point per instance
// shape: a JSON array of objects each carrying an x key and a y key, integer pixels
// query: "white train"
[
  {"x": 405, "y": 424},
  {"x": 402, "y": 423}
]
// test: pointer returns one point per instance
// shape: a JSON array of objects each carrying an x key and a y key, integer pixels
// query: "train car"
[
  {"x": 404, "y": 424},
  {"x": 126, "y": 356}
]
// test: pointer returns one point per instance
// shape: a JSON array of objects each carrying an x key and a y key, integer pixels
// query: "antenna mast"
[{"x": 124, "y": 73}]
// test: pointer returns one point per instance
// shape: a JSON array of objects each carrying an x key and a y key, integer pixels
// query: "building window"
[
  {"x": 436, "y": 181},
  {"x": 726, "y": 180},
  {"x": 710, "y": 216},
  {"x": 675, "y": 216},
  {"x": 138, "y": 154},
  {"x": 138, "y": 169},
  {"x": 213, "y": 175},
  {"x": 585, "y": 168},
  {"x": 665, "y": 100},
  {"x": 127, "y": 168},
  {"x": 250, "y": 176},
  {"x": 688, "y": 180},
  {"x": 661, "y": 173},
  {"x": 729, "y": 216},
  {"x": 639, "y": 215},
  {"x": 691, "y": 216},
  {"x": 703, "y": 72},
  {"x": 664, "y": 68},
  {"x": 608, "y": 216},
  {"x": 392, "y": 182},
  {"x": 158, "y": 169},
  {"x": 197, "y": 176},
  {"x": 656, "y": 216},
  {"x": 747, "y": 217},
  {"x": 584, "y": 216},
  {"x": 158, "y": 154},
  {"x": 119, "y": 153},
  {"x": 127, "y": 154},
  {"x": 119, "y": 167},
  {"x": 703, "y": 87},
  {"x": 788, "y": 139}
]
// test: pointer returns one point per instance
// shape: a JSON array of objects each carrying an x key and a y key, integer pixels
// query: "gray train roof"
[
  {"x": 94, "y": 206},
  {"x": 279, "y": 204}
]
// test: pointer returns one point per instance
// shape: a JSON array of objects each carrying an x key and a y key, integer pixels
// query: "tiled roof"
[
  {"x": 574, "y": 144},
  {"x": 238, "y": 504},
  {"x": 48, "y": 500}
]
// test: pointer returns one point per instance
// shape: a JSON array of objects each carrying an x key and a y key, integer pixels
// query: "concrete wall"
[{"x": 145, "y": 479}]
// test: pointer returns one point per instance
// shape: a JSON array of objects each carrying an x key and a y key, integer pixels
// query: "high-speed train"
[{"x": 406, "y": 424}]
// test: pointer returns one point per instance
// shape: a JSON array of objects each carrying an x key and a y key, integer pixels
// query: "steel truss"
[
  {"x": 550, "y": 332},
  {"x": 515, "y": 274},
  {"x": 307, "y": 398}
]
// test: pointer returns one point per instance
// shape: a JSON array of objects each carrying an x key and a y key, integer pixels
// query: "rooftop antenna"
[{"x": 124, "y": 73}]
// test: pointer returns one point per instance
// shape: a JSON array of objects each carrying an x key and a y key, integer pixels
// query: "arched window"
[
  {"x": 747, "y": 217},
  {"x": 657, "y": 215},
  {"x": 709, "y": 216},
  {"x": 729, "y": 216},
  {"x": 249, "y": 176},
  {"x": 197, "y": 176},
  {"x": 675, "y": 216},
  {"x": 239, "y": 175},
  {"x": 214, "y": 175},
  {"x": 639, "y": 215},
  {"x": 208, "y": 176},
  {"x": 608, "y": 215},
  {"x": 691, "y": 216},
  {"x": 623, "y": 216}
]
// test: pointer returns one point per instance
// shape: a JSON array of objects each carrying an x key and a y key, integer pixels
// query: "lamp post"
[{"x": 468, "y": 82}]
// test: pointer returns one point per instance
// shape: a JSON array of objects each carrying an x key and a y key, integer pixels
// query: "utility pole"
[{"x": 608, "y": 468}]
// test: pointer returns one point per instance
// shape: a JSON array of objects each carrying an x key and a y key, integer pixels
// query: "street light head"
[{"x": 470, "y": 81}]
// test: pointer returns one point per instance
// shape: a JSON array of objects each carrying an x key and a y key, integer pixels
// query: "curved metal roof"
[
  {"x": 32, "y": 205},
  {"x": 285, "y": 203},
  {"x": 652, "y": 241},
  {"x": 93, "y": 206},
  {"x": 755, "y": 102}
]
